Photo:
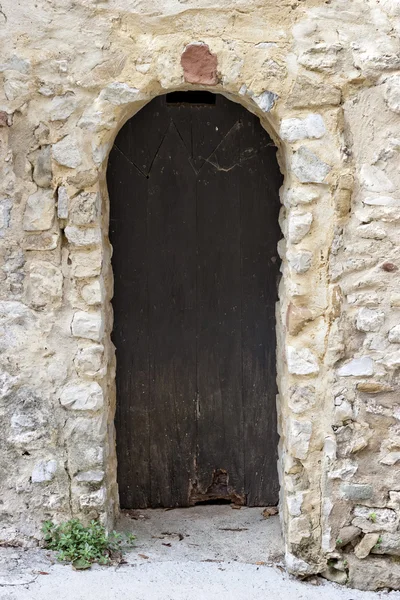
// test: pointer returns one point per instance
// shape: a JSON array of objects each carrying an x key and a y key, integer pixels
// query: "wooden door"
[{"x": 193, "y": 183}]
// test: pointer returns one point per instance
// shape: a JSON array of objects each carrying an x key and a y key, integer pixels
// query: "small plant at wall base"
[{"x": 82, "y": 545}]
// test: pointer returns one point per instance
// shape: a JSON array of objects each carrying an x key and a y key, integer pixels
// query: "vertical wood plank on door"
[
  {"x": 128, "y": 234},
  {"x": 219, "y": 369},
  {"x": 172, "y": 322},
  {"x": 260, "y": 271}
]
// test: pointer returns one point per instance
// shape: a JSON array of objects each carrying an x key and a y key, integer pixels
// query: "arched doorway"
[{"x": 193, "y": 183}]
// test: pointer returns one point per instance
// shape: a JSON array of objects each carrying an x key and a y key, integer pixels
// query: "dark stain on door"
[{"x": 193, "y": 182}]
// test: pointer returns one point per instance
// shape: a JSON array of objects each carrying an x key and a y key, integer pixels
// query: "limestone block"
[
  {"x": 299, "y": 225},
  {"x": 79, "y": 236},
  {"x": 299, "y": 529},
  {"x": 45, "y": 284},
  {"x": 39, "y": 211},
  {"x": 16, "y": 86},
  {"x": 372, "y": 574},
  {"x": 42, "y": 241},
  {"x": 299, "y": 195},
  {"x": 86, "y": 263},
  {"x": 312, "y": 126},
  {"x": 307, "y": 92},
  {"x": 294, "y": 503},
  {"x": 356, "y": 491},
  {"x": 298, "y": 566},
  {"x": 308, "y": 168},
  {"x": 299, "y": 261},
  {"x": 62, "y": 202},
  {"x": 392, "y": 359},
  {"x": 67, "y": 152},
  {"x": 301, "y": 361},
  {"x": 374, "y": 179},
  {"x": 343, "y": 410},
  {"x": 84, "y": 208},
  {"x": 119, "y": 93},
  {"x": 93, "y": 500},
  {"x": 347, "y": 535},
  {"x": 265, "y": 101},
  {"x": 392, "y": 93},
  {"x": 389, "y": 543},
  {"x": 390, "y": 459},
  {"x": 87, "y": 325},
  {"x": 344, "y": 469},
  {"x": 83, "y": 396},
  {"x": 364, "y": 547},
  {"x": 44, "y": 471},
  {"x": 61, "y": 107},
  {"x": 298, "y": 438},
  {"x": 42, "y": 170},
  {"x": 372, "y": 520},
  {"x": 92, "y": 293},
  {"x": 369, "y": 320},
  {"x": 394, "y": 335},
  {"x": 357, "y": 367},
  {"x": 371, "y": 231},
  {"x": 381, "y": 201},
  {"x": 88, "y": 361},
  {"x": 301, "y": 398},
  {"x": 90, "y": 476}
]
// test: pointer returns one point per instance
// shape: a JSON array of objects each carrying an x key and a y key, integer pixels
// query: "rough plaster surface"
[{"x": 324, "y": 79}]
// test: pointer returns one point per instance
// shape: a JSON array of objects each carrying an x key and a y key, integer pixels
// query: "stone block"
[
  {"x": 90, "y": 476},
  {"x": 375, "y": 179},
  {"x": 301, "y": 398},
  {"x": 84, "y": 208},
  {"x": 92, "y": 293},
  {"x": 62, "y": 202},
  {"x": 308, "y": 168},
  {"x": 42, "y": 241},
  {"x": 82, "y": 396},
  {"x": 88, "y": 361},
  {"x": 357, "y": 367},
  {"x": 373, "y": 520},
  {"x": 392, "y": 93},
  {"x": 44, "y": 471},
  {"x": 199, "y": 64},
  {"x": 93, "y": 500},
  {"x": 79, "y": 236},
  {"x": 394, "y": 335},
  {"x": 365, "y": 546},
  {"x": 45, "y": 284},
  {"x": 87, "y": 325},
  {"x": 297, "y": 317},
  {"x": 298, "y": 438},
  {"x": 301, "y": 361},
  {"x": 67, "y": 153},
  {"x": 62, "y": 107},
  {"x": 312, "y": 126},
  {"x": 299, "y": 224},
  {"x": 389, "y": 544},
  {"x": 369, "y": 319},
  {"x": 86, "y": 263},
  {"x": 356, "y": 491},
  {"x": 347, "y": 535},
  {"x": 39, "y": 211},
  {"x": 119, "y": 93},
  {"x": 266, "y": 101},
  {"x": 372, "y": 574},
  {"x": 299, "y": 261}
]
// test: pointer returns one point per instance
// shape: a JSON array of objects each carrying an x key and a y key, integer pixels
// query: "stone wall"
[{"x": 324, "y": 78}]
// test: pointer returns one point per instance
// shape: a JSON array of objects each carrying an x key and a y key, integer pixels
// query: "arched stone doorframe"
[{"x": 314, "y": 195}]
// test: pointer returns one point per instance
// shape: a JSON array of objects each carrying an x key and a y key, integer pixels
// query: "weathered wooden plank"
[
  {"x": 128, "y": 235},
  {"x": 172, "y": 322},
  {"x": 219, "y": 369}
]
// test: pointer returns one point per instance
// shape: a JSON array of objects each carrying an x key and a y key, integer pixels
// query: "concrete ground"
[{"x": 185, "y": 554}]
